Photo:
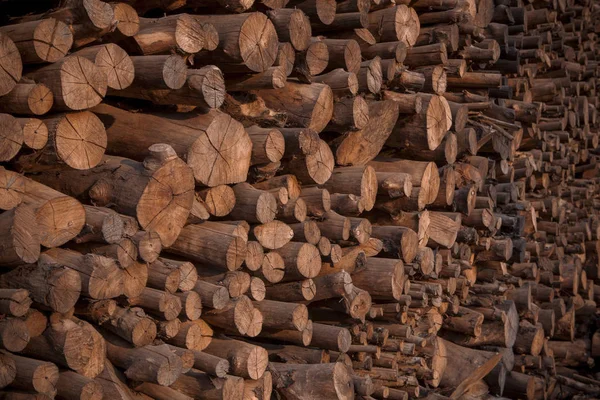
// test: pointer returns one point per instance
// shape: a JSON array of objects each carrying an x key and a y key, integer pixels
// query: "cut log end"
[{"x": 258, "y": 42}]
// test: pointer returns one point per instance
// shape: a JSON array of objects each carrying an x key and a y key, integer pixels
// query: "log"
[
  {"x": 113, "y": 61},
  {"x": 28, "y": 99},
  {"x": 297, "y": 381},
  {"x": 12, "y": 66}
]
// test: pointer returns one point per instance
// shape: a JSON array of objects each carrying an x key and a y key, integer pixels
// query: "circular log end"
[
  {"x": 326, "y": 11},
  {"x": 308, "y": 261},
  {"x": 35, "y": 133},
  {"x": 26, "y": 242},
  {"x": 450, "y": 148},
  {"x": 59, "y": 220},
  {"x": 320, "y": 165},
  {"x": 300, "y": 317},
  {"x": 374, "y": 75},
  {"x": 317, "y": 57},
  {"x": 167, "y": 200},
  {"x": 8, "y": 370},
  {"x": 83, "y": 84},
  {"x": 308, "y": 289},
  {"x": 92, "y": 390},
  {"x": 45, "y": 377},
  {"x": 189, "y": 34},
  {"x": 52, "y": 40},
  {"x": 286, "y": 57},
  {"x": 188, "y": 275},
  {"x": 307, "y": 333},
  {"x": 266, "y": 208},
  {"x": 129, "y": 22},
  {"x": 11, "y": 67},
  {"x": 256, "y": 323},
  {"x": 300, "y": 210},
  {"x": 169, "y": 370},
  {"x": 106, "y": 281},
  {"x": 342, "y": 382},
  {"x": 439, "y": 120},
  {"x": 220, "y": 298},
  {"x": 398, "y": 280},
  {"x": 222, "y": 368},
  {"x": 258, "y": 289},
  {"x": 407, "y": 25},
  {"x": 360, "y": 305},
  {"x": 273, "y": 267},
  {"x": 323, "y": 109},
  {"x": 220, "y": 200},
  {"x": 368, "y": 188},
  {"x": 149, "y": 246},
  {"x": 193, "y": 306},
  {"x": 211, "y": 37},
  {"x": 143, "y": 333},
  {"x": 274, "y": 145},
  {"x": 15, "y": 335},
  {"x": 258, "y": 359},
  {"x": 65, "y": 288},
  {"x": 258, "y": 42},
  {"x": 360, "y": 112},
  {"x": 174, "y": 72},
  {"x": 300, "y": 30},
  {"x": 116, "y": 64},
  {"x": 344, "y": 340},
  {"x": 353, "y": 83},
  {"x": 11, "y": 137},
  {"x": 99, "y": 13},
  {"x": 233, "y": 386},
  {"x": 254, "y": 256},
  {"x": 409, "y": 245},
  {"x": 352, "y": 56},
  {"x": 80, "y": 140}
]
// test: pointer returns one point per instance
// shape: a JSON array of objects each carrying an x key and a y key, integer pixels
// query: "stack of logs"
[{"x": 310, "y": 199}]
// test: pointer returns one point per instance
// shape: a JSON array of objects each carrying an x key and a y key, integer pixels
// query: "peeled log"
[{"x": 215, "y": 146}]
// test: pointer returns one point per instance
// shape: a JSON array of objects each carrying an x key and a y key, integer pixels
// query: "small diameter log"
[
  {"x": 149, "y": 245},
  {"x": 217, "y": 244},
  {"x": 248, "y": 38},
  {"x": 333, "y": 381},
  {"x": 101, "y": 277},
  {"x": 268, "y": 144},
  {"x": 282, "y": 315},
  {"x": 193, "y": 335},
  {"x": 331, "y": 337},
  {"x": 341, "y": 82},
  {"x": 12, "y": 137},
  {"x": 245, "y": 360},
  {"x": 48, "y": 283},
  {"x": 74, "y": 386},
  {"x": 197, "y": 385},
  {"x": 161, "y": 35},
  {"x": 35, "y": 133},
  {"x": 238, "y": 317},
  {"x": 75, "y": 139},
  {"x": 12, "y": 66},
  {"x": 204, "y": 88},
  {"x": 343, "y": 54},
  {"x": 28, "y": 99},
  {"x": 75, "y": 82},
  {"x": 286, "y": 57},
  {"x": 432, "y": 54},
  {"x": 312, "y": 61},
  {"x": 292, "y": 26},
  {"x": 301, "y": 260},
  {"x": 131, "y": 324},
  {"x": 132, "y": 187},
  {"x": 349, "y": 114},
  {"x": 293, "y": 291},
  {"x": 46, "y": 40},
  {"x": 382, "y": 278},
  {"x": 158, "y": 302},
  {"x": 14, "y": 302},
  {"x": 309, "y": 106},
  {"x": 307, "y": 231},
  {"x": 397, "y": 241},
  {"x": 399, "y": 23},
  {"x": 154, "y": 364},
  {"x": 34, "y": 375},
  {"x": 317, "y": 200},
  {"x": 19, "y": 241},
  {"x": 191, "y": 305},
  {"x": 355, "y": 149},
  {"x": 359, "y": 180},
  {"x": 273, "y": 235},
  {"x": 113, "y": 61},
  {"x": 194, "y": 138},
  {"x": 323, "y": 11},
  {"x": 158, "y": 72},
  {"x": 253, "y": 205},
  {"x": 273, "y": 78},
  {"x": 424, "y": 131},
  {"x": 218, "y": 201}
]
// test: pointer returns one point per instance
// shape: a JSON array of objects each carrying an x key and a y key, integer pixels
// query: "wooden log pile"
[{"x": 304, "y": 199}]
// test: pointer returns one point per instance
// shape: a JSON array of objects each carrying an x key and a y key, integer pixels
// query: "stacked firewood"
[{"x": 310, "y": 199}]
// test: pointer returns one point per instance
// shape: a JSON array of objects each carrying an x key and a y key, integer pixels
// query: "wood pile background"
[{"x": 299, "y": 199}]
